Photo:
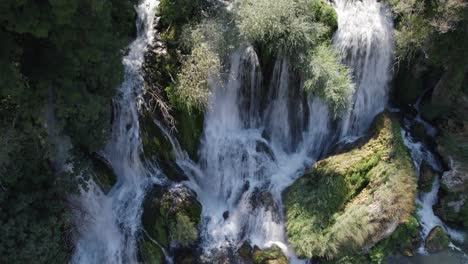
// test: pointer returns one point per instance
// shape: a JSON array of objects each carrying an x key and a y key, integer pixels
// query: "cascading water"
[
  {"x": 364, "y": 38},
  {"x": 108, "y": 232},
  {"x": 256, "y": 142},
  {"x": 422, "y": 154},
  {"x": 247, "y": 154},
  {"x": 253, "y": 147}
]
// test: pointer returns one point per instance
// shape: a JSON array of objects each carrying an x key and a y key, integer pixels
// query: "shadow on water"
[{"x": 445, "y": 257}]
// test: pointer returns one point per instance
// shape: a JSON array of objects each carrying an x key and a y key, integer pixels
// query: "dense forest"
[{"x": 261, "y": 136}]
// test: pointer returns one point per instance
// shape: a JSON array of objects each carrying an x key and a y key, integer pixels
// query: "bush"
[
  {"x": 183, "y": 231},
  {"x": 327, "y": 77},
  {"x": 285, "y": 25},
  {"x": 199, "y": 70}
]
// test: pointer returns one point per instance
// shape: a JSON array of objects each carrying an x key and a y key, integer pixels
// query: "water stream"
[
  {"x": 255, "y": 142},
  {"x": 109, "y": 224}
]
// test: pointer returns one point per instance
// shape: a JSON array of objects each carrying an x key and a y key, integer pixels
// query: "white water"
[
  {"x": 364, "y": 38},
  {"x": 254, "y": 145},
  {"x": 248, "y": 152},
  {"x": 427, "y": 218},
  {"x": 108, "y": 224}
]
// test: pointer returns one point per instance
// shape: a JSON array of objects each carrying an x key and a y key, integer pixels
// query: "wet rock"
[
  {"x": 102, "y": 173},
  {"x": 453, "y": 209},
  {"x": 226, "y": 215},
  {"x": 264, "y": 148},
  {"x": 156, "y": 147},
  {"x": 263, "y": 198},
  {"x": 437, "y": 240},
  {"x": 151, "y": 253},
  {"x": 271, "y": 255},
  {"x": 245, "y": 251},
  {"x": 171, "y": 215},
  {"x": 456, "y": 179},
  {"x": 426, "y": 177}
]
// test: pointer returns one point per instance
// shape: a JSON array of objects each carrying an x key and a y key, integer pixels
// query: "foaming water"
[
  {"x": 420, "y": 154},
  {"x": 108, "y": 224},
  {"x": 364, "y": 38},
  {"x": 249, "y": 154}
]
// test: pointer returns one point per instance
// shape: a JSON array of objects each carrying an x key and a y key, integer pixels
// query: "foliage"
[
  {"x": 64, "y": 55},
  {"x": 403, "y": 238},
  {"x": 272, "y": 254},
  {"x": 34, "y": 218},
  {"x": 183, "y": 230},
  {"x": 286, "y": 25},
  {"x": 198, "y": 72},
  {"x": 329, "y": 78},
  {"x": 343, "y": 203}
]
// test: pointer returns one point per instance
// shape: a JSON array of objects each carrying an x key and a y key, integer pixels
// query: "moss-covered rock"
[
  {"x": 171, "y": 214},
  {"x": 151, "y": 253},
  {"x": 157, "y": 147},
  {"x": 437, "y": 240},
  {"x": 351, "y": 201},
  {"x": 102, "y": 173},
  {"x": 271, "y": 255},
  {"x": 426, "y": 177}
]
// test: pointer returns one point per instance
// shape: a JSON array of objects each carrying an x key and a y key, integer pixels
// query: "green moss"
[
  {"x": 330, "y": 210},
  {"x": 437, "y": 240},
  {"x": 103, "y": 174},
  {"x": 272, "y": 255},
  {"x": 172, "y": 215},
  {"x": 404, "y": 239},
  {"x": 183, "y": 230},
  {"x": 150, "y": 253}
]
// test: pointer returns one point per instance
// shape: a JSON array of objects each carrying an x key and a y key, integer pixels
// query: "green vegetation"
[
  {"x": 431, "y": 38},
  {"x": 437, "y": 240},
  {"x": 172, "y": 215},
  {"x": 183, "y": 231},
  {"x": 346, "y": 201},
  {"x": 271, "y": 255},
  {"x": 300, "y": 30},
  {"x": 327, "y": 76},
  {"x": 151, "y": 253},
  {"x": 65, "y": 55},
  {"x": 198, "y": 71}
]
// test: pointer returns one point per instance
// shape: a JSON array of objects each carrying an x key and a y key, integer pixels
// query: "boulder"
[
  {"x": 171, "y": 215},
  {"x": 453, "y": 209},
  {"x": 157, "y": 147},
  {"x": 102, "y": 173},
  {"x": 437, "y": 240},
  {"x": 354, "y": 199},
  {"x": 271, "y": 255},
  {"x": 426, "y": 177}
]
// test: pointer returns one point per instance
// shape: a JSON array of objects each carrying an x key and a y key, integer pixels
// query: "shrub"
[
  {"x": 193, "y": 82},
  {"x": 284, "y": 24},
  {"x": 329, "y": 78},
  {"x": 183, "y": 231}
]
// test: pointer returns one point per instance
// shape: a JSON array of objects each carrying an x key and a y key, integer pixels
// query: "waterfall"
[
  {"x": 108, "y": 224},
  {"x": 364, "y": 38},
  {"x": 249, "y": 153}
]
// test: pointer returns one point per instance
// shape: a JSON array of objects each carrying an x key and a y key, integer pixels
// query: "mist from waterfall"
[
  {"x": 109, "y": 223},
  {"x": 364, "y": 39}
]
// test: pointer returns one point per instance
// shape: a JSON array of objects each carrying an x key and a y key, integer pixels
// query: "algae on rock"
[
  {"x": 349, "y": 202},
  {"x": 171, "y": 216}
]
